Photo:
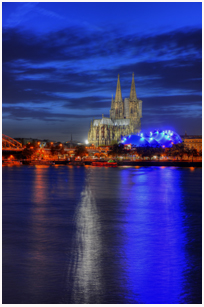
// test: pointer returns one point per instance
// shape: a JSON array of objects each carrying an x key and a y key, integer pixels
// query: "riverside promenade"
[
  {"x": 120, "y": 163},
  {"x": 156, "y": 163},
  {"x": 161, "y": 163}
]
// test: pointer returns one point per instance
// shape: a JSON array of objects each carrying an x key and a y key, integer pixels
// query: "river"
[{"x": 101, "y": 235}]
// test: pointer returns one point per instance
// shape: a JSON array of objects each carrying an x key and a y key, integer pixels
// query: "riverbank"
[
  {"x": 161, "y": 163},
  {"x": 120, "y": 163},
  {"x": 156, "y": 163}
]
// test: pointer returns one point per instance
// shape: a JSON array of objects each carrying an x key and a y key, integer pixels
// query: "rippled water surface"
[{"x": 101, "y": 235}]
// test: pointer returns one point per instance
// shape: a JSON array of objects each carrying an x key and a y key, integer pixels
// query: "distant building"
[
  {"x": 124, "y": 119},
  {"x": 192, "y": 141}
]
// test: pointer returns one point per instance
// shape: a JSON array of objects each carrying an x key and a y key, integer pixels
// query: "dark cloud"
[
  {"x": 92, "y": 102},
  {"x": 77, "y": 43},
  {"x": 174, "y": 100},
  {"x": 179, "y": 74},
  {"x": 21, "y": 113}
]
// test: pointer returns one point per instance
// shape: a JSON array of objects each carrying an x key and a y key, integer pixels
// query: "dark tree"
[
  {"x": 159, "y": 151},
  {"x": 80, "y": 151},
  {"x": 141, "y": 151},
  {"x": 177, "y": 150},
  {"x": 27, "y": 153},
  {"x": 53, "y": 150},
  {"x": 194, "y": 153},
  {"x": 188, "y": 152},
  {"x": 117, "y": 150}
]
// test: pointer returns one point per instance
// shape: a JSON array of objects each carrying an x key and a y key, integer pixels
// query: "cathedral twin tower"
[{"x": 124, "y": 119}]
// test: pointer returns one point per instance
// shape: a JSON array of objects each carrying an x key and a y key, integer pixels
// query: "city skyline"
[{"x": 61, "y": 62}]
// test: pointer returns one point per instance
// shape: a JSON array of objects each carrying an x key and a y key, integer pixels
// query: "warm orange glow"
[
  {"x": 60, "y": 144},
  {"x": 38, "y": 143},
  {"x": 192, "y": 169},
  {"x": 51, "y": 143}
]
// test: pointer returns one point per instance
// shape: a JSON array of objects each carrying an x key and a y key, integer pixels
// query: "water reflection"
[
  {"x": 38, "y": 262},
  {"x": 84, "y": 267},
  {"x": 43, "y": 267},
  {"x": 101, "y": 235},
  {"x": 154, "y": 249},
  {"x": 40, "y": 191}
]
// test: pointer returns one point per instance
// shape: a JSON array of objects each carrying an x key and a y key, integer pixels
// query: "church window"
[{"x": 102, "y": 132}]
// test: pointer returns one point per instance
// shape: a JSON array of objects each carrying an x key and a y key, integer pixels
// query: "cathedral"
[{"x": 124, "y": 119}]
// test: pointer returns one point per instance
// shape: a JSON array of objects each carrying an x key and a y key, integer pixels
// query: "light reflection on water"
[
  {"x": 100, "y": 235},
  {"x": 154, "y": 249},
  {"x": 85, "y": 265}
]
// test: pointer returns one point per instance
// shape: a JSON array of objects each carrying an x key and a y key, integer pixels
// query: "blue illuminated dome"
[{"x": 164, "y": 138}]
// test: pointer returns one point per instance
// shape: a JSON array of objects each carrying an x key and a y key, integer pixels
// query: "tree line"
[{"x": 177, "y": 151}]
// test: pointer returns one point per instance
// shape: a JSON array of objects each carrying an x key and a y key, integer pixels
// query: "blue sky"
[{"x": 61, "y": 61}]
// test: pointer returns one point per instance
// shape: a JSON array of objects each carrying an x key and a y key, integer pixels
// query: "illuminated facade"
[
  {"x": 124, "y": 118},
  {"x": 164, "y": 138},
  {"x": 193, "y": 141}
]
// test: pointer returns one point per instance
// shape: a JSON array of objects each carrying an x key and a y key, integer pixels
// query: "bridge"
[{"x": 10, "y": 144}]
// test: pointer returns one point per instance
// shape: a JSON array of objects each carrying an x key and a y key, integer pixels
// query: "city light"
[{"x": 165, "y": 138}]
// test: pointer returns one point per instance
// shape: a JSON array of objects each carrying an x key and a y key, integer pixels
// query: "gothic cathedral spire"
[
  {"x": 118, "y": 94},
  {"x": 112, "y": 103},
  {"x": 133, "y": 96}
]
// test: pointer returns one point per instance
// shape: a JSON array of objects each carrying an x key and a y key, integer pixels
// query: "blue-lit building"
[{"x": 156, "y": 138}]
